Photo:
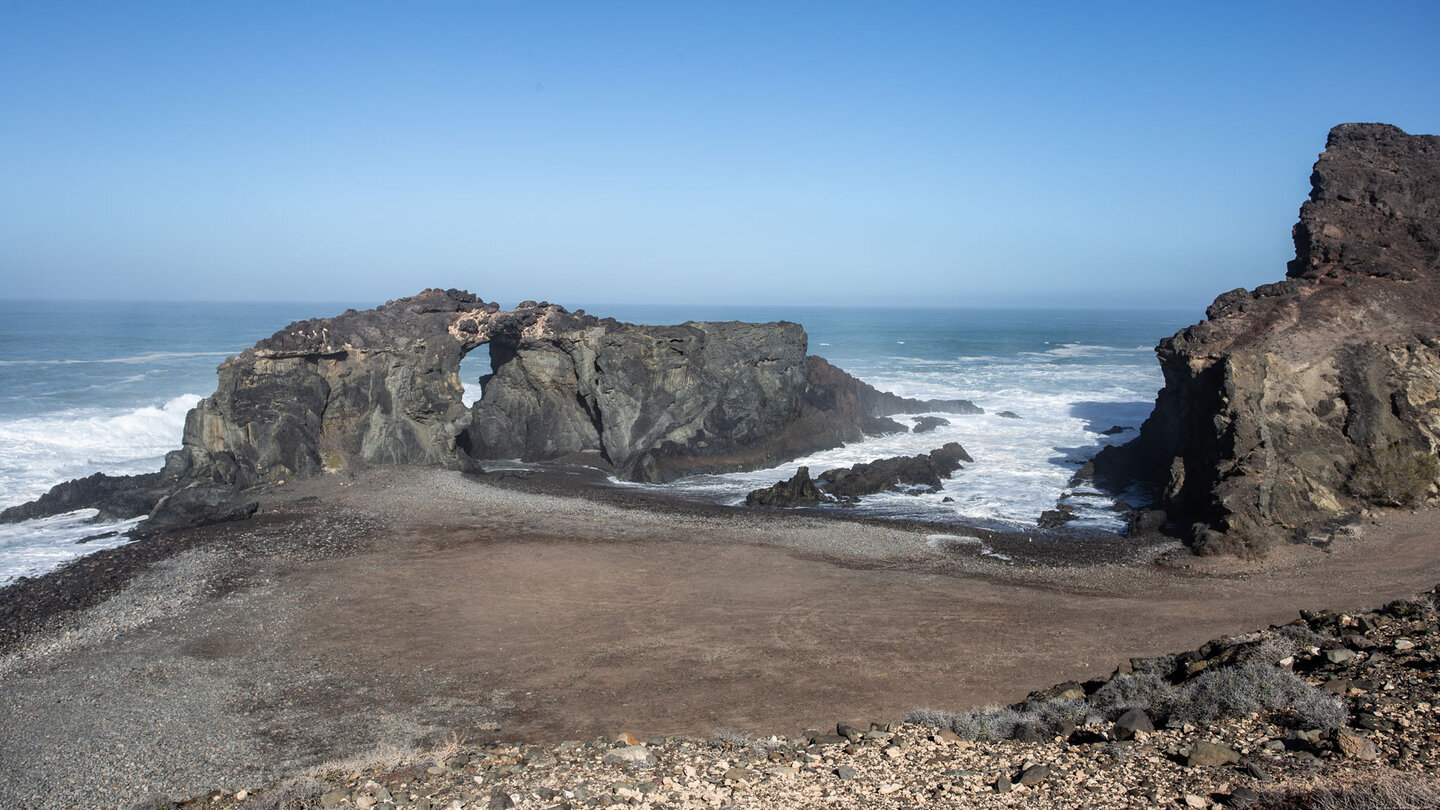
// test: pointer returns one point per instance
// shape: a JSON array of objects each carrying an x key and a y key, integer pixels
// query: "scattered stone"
[
  {"x": 1191, "y": 800},
  {"x": 926, "y": 424},
  {"x": 1008, "y": 415},
  {"x": 1355, "y": 746},
  {"x": 1339, "y": 656},
  {"x": 1033, "y": 775},
  {"x": 1241, "y": 797},
  {"x": 845, "y": 772},
  {"x": 1002, "y": 784},
  {"x": 1209, "y": 754},
  {"x": 1131, "y": 722},
  {"x": 627, "y": 755}
]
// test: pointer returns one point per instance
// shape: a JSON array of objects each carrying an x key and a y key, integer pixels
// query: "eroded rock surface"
[
  {"x": 651, "y": 403},
  {"x": 1276, "y": 403}
]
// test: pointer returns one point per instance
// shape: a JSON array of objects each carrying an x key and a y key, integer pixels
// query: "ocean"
[{"x": 105, "y": 386}]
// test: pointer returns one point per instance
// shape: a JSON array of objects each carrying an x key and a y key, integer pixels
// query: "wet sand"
[{"x": 405, "y": 605}]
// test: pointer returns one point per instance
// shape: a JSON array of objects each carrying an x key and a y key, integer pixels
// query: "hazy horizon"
[{"x": 1126, "y": 155}]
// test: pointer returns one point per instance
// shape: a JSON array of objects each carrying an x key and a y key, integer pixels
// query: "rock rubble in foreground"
[{"x": 1382, "y": 665}]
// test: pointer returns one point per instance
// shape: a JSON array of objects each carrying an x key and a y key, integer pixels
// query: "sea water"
[
  {"x": 101, "y": 386},
  {"x": 1069, "y": 375}
]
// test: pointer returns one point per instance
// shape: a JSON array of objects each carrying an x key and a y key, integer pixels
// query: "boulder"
[
  {"x": 1130, "y": 722},
  {"x": 798, "y": 491},
  {"x": 1207, "y": 754},
  {"x": 1355, "y": 746},
  {"x": 927, "y": 424},
  {"x": 922, "y": 473}
]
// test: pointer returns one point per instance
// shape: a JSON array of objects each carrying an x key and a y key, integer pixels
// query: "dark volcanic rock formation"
[
  {"x": 651, "y": 403},
  {"x": 925, "y": 424},
  {"x": 1276, "y": 403},
  {"x": 800, "y": 490},
  {"x": 922, "y": 473},
  {"x": 919, "y": 473}
]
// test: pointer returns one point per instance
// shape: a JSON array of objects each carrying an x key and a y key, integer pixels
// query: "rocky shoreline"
[
  {"x": 1375, "y": 741},
  {"x": 343, "y": 618}
]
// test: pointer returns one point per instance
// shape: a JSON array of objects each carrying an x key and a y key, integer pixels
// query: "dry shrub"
[
  {"x": 1241, "y": 691},
  {"x": 1387, "y": 791},
  {"x": 1002, "y": 722},
  {"x": 1147, "y": 691},
  {"x": 1397, "y": 475}
]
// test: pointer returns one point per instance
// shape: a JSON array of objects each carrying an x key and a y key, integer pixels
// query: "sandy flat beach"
[{"x": 400, "y": 606}]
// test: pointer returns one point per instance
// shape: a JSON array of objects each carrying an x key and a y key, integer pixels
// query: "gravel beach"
[{"x": 401, "y": 606}]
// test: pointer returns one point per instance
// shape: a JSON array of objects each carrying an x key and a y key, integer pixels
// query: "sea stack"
[
  {"x": 1303, "y": 400},
  {"x": 382, "y": 386}
]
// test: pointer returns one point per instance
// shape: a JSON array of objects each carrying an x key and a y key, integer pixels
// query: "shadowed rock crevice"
[{"x": 1272, "y": 404}]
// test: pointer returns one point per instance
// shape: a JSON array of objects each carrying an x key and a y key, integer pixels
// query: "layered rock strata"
[
  {"x": 1294, "y": 404},
  {"x": 650, "y": 403}
]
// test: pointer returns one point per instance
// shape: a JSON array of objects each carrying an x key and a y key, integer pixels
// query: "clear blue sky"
[{"x": 730, "y": 152}]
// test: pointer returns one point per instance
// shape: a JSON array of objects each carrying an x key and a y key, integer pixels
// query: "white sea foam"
[
  {"x": 1022, "y": 466},
  {"x": 139, "y": 358},
  {"x": 946, "y": 542},
  {"x": 38, "y": 452},
  {"x": 36, "y": 546}
]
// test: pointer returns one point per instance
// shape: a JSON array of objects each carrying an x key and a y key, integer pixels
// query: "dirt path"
[{"x": 486, "y": 612}]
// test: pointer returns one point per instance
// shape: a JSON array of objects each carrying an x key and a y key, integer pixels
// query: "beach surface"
[{"x": 402, "y": 606}]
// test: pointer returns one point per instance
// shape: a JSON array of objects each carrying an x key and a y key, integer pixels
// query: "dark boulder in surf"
[
  {"x": 922, "y": 473},
  {"x": 926, "y": 424},
  {"x": 800, "y": 490}
]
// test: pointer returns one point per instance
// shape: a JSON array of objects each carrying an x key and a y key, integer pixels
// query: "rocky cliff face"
[
  {"x": 1296, "y": 403},
  {"x": 651, "y": 403}
]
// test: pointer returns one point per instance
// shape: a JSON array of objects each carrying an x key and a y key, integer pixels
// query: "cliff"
[
  {"x": 1299, "y": 402},
  {"x": 650, "y": 403}
]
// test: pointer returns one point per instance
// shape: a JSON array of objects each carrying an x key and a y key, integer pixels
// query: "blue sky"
[{"x": 829, "y": 153}]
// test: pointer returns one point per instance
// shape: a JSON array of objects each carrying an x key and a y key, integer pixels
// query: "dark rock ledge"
[{"x": 911, "y": 474}]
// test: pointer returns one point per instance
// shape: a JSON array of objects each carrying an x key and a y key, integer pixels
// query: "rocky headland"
[
  {"x": 304, "y": 657},
  {"x": 1294, "y": 406},
  {"x": 382, "y": 387}
]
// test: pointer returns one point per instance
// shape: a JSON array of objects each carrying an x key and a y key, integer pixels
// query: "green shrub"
[{"x": 1397, "y": 475}]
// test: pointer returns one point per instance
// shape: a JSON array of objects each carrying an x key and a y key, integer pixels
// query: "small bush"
[
  {"x": 1387, "y": 791},
  {"x": 935, "y": 718},
  {"x": 1316, "y": 708},
  {"x": 294, "y": 794},
  {"x": 1302, "y": 635},
  {"x": 1397, "y": 475},
  {"x": 1241, "y": 691},
  {"x": 1001, "y": 722},
  {"x": 1146, "y": 691},
  {"x": 1051, "y": 716}
]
